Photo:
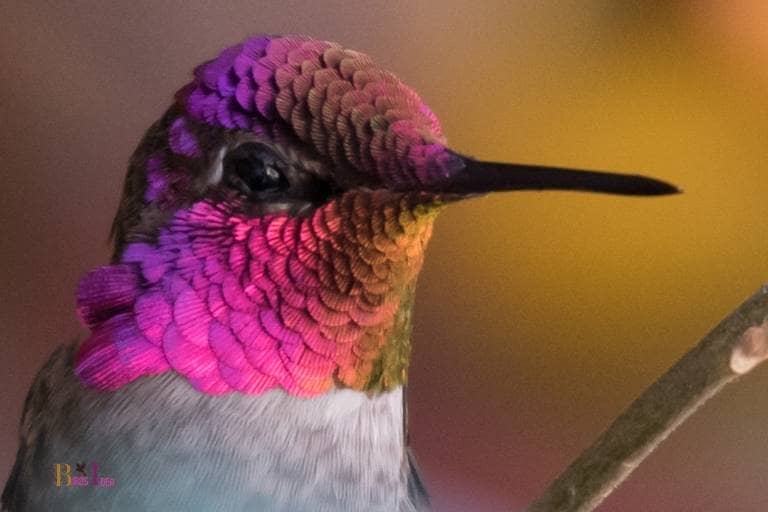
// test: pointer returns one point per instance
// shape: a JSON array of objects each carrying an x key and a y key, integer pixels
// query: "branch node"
[{"x": 751, "y": 349}]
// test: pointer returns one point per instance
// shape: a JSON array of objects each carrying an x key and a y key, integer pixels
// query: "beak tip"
[{"x": 660, "y": 188}]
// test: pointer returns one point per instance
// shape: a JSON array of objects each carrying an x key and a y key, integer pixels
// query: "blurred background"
[{"x": 539, "y": 316}]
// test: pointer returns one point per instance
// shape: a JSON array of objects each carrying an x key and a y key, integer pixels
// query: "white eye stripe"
[{"x": 216, "y": 171}]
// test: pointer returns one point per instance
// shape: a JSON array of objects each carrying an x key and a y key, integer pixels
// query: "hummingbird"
[{"x": 250, "y": 339}]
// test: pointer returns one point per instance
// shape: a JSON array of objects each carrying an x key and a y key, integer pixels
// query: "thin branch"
[{"x": 733, "y": 348}]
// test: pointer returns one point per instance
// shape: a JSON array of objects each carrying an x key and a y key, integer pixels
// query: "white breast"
[{"x": 169, "y": 447}]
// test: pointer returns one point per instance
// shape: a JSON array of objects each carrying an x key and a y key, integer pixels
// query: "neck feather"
[{"x": 244, "y": 304}]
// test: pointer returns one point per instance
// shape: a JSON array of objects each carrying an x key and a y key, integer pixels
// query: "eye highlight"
[
  {"x": 255, "y": 170},
  {"x": 270, "y": 180}
]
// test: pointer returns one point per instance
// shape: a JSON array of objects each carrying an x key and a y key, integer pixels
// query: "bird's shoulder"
[{"x": 37, "y": 419}]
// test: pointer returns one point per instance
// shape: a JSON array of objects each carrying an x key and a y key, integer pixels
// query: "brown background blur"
[{"x": 539, "y": 316}]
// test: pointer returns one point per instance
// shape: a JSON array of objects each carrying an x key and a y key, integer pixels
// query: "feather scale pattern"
[
  {"x": 244, "y": 304},
  {"x": 333, "y": 99}
]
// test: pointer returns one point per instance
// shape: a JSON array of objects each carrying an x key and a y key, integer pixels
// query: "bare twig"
[{"x": 733, "y": 348}]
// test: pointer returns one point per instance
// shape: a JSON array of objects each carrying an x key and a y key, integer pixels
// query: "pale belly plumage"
[{"x": 168, "y": 447}]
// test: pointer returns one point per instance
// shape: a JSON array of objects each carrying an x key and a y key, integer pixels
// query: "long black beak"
[{"x": 478, "y": 177}]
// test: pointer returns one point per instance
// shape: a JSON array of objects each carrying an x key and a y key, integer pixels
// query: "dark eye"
[{"x": 254, "y": 170}]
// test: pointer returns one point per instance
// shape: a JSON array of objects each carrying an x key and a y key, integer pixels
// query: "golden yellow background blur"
[{"x": 540, "y": 316}]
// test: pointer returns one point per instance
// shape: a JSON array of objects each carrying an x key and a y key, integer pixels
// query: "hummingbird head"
[{"x": 273, "y": 223}]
